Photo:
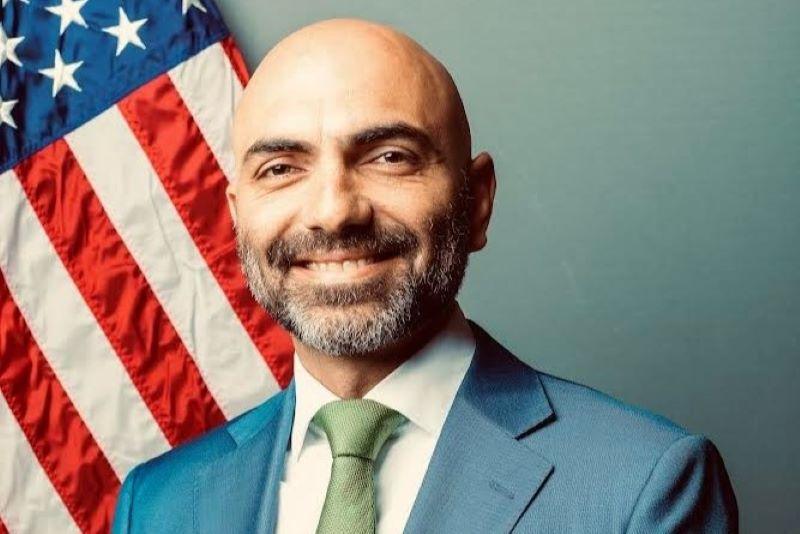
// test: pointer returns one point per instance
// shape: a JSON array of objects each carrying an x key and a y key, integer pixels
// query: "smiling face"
[{"x": 354, "y": 205}]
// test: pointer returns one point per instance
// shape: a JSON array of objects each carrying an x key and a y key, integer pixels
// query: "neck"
[{"x": 352, "y": 376}]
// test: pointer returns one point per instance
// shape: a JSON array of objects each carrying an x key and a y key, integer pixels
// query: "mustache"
[{"x": 283, "y": 252}]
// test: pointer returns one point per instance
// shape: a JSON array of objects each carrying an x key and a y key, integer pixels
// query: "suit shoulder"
[
  {"x": 184, "y": 460},
  {"x": 160, "y": 491},
  {"x": 595, "y": 440},
  {"x": 580, "y": 414},
  {"x": 604, "y": 419}
]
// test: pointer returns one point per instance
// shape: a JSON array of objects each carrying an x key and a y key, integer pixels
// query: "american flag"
[{"x": 126, "y": 327}]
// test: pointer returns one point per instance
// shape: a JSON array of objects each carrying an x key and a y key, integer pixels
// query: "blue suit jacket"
[{"x": 520, "y": 451}]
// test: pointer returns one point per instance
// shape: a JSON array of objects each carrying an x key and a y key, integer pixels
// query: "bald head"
[{"x": 336, "y": 76}]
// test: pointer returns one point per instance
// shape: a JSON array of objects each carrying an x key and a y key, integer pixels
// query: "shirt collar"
[{"x": 422, "y": 388}]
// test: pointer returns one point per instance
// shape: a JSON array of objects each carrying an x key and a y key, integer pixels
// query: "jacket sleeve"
[
  {"x": 123, "y": 512},
  {"x": 688, "y": 490}
]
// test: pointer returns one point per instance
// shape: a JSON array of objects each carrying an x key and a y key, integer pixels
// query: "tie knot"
[{"x": 357, "y": 427}]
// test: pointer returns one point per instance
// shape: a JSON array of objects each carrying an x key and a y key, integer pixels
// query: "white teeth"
[{"x": 339, "y": 266}]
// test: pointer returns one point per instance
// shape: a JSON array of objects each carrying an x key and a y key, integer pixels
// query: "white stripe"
[
  {"x": 140, "y": 209},
  {"x": 28, "y": 500},
  {"x": 210, "y": 88},
  {"x": 70, "y": 338}
]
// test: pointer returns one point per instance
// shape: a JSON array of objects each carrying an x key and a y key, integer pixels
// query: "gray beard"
[{"x": 404, "y": 305}]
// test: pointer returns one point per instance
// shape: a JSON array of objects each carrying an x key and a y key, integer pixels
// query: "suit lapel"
[
  {"x": 481, "y": 478},
  {"x": 238, "y": 493}
]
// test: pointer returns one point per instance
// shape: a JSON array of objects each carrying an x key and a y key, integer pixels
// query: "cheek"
[
  {"x": 413, "y": 200},
  {"x": 262, "y": 217},
  {"x": 414, "y": 209}
]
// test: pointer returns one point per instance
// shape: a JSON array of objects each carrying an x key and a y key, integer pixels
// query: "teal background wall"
[{"x": 646, "y": 235}]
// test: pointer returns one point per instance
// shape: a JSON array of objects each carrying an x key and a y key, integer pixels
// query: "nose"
[{"x": 336, "y": 201}]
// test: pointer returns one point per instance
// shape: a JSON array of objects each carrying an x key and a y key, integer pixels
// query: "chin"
[
  {"x": 352, "y": 329},
  {"x": 352, "y": 339},
  {"x": 350, "y": 317}
]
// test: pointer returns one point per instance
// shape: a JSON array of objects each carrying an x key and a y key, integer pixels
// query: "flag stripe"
[
  {"x": 3, "y": 529},
  {"x": 196, "y": 186},
  {"x": 116, "y": 292},
  {"x": 237, "y": 60},
  {"x": 64, "y": 328},
  {"x": 60, "y": 439},
  {"x": 151, "y": 228},
  {"x": 207, "y": 83},
  {"x": 28, "y": 500}
]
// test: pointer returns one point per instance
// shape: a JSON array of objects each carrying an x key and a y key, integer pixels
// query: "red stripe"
[
  {"x": 237, "y": 60},
  {"x": 3, "y": 529},
  {"x": 196, "y": 185},
  {"x": 64, "y": 446},
  {"x": 118, "y": 294}
]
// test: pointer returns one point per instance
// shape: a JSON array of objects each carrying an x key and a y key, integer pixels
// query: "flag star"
[
  {"x": 69, "y": 11},
  {"x": 62, "y": 74},
  {"x": 7, "y": 48},
  {"x": 186, "y": 4},
  {"x": 125, "y": 32},
  {"x": 5, "y": 112}
]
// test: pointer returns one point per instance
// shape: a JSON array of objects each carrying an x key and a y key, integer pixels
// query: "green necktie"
[{"x": 356, "y": 430}]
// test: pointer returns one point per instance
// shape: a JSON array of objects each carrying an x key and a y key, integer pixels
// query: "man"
[{"x": 356, "y": 205}]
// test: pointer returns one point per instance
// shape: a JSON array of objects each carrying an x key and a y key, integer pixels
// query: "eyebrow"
[
  {"x": 271, "y": 146},
  {"x": 395, "y": 130}
]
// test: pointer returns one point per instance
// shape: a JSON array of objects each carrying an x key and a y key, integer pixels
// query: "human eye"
[
  {"x": 394, "y": 157},
  {"x": 395, "y": 160},
  {"x": 278, "y": 170}
]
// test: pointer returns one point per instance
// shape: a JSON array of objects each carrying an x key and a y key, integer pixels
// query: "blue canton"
[{"x": 62, "y": 62}]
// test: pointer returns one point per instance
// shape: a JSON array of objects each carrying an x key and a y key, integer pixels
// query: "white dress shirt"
[{"x": 422, "y": 389}]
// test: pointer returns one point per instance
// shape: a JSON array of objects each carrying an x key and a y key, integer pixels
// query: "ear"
[
  {"x": 230, "y": 195},
  {"x": 482, "y": 185}
]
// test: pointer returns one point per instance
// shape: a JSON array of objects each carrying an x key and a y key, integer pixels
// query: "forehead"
[{"x": 318, "y": 96}]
